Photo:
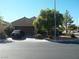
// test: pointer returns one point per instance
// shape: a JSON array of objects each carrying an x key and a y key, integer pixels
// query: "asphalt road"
[{"x": 38, "y": 49}]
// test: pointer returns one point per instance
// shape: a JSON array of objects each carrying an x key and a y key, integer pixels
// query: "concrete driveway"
[{"x": 38, "y": 49}]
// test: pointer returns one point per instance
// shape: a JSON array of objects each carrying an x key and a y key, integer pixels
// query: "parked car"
[{"x": 18, "y": 34}]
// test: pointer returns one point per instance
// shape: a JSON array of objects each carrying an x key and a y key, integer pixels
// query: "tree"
[
  {"x": 3, "y": 24},
  {"x": 67, "y": 20},
  {"x": 73, "y": 27},
  {"x": 45, "y": 21}
]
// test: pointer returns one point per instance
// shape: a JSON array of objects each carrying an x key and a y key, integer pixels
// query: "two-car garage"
[{"x": 24, "y": 24}]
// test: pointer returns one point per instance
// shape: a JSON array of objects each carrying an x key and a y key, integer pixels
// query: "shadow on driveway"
[
  {"x": 5, "y": 41},
  {"x": 65, "y": 40}
]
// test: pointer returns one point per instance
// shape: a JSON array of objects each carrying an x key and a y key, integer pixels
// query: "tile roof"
[{"x": 23, "y": 22}]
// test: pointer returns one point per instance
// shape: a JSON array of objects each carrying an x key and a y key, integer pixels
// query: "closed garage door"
[{"x": 29, "y": 30}]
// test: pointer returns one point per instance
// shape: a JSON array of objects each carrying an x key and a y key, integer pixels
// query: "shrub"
[
  {"x": 2, "y": 36},
  {"x": 9, "y": 30},
  {"x": 39, "y": 36},
  {"x": 73, "y": 36}
]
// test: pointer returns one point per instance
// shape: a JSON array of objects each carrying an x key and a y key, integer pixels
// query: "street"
[{"x": 38, "y": 49}]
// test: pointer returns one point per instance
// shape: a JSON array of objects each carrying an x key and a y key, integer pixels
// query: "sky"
[{"x": 12, "y": 10}]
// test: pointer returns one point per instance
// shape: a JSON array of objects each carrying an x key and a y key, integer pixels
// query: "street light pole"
[
  {"x": 55, "y": 17},
  {"x": 77, "y": 24}
]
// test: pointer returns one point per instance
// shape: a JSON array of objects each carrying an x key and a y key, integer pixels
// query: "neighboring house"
[
  {"x": 24, "y": 24},
  {"x": 3, "y": 25}
]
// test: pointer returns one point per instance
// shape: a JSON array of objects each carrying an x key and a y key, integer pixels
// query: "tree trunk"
[{"x": 49, "y": 33}]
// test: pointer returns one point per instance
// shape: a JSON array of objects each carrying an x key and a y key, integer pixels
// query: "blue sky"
[{"x": 15, "y": 9}]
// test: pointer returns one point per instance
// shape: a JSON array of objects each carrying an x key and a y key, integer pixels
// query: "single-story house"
[{"x": 24, "y": 24}]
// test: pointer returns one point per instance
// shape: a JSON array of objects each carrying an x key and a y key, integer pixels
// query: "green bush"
[
  {"x": 9, "y": 30},
  {"x": 39, "y": 36},
  {"x": 73, "y": 36},
  {"x": 2, "y": 36}
]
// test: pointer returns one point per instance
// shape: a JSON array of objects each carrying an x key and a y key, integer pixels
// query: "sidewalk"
[{"x": 65, "y": 40}]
